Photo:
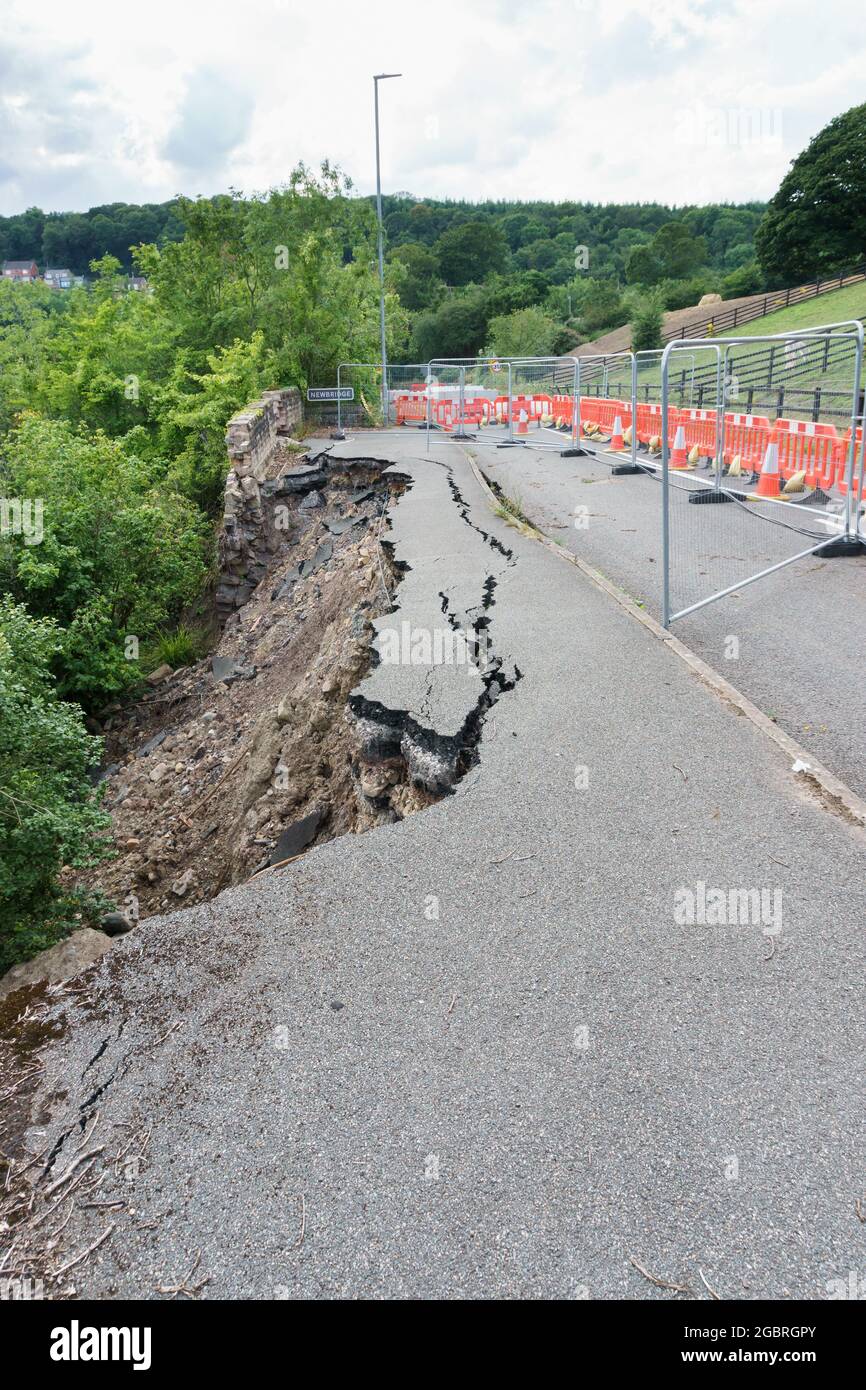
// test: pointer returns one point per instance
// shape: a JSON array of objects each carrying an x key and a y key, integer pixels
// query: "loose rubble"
[{"x": 247, "y": 758}]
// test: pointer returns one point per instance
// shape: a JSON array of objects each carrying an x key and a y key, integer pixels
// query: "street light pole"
[{"x": 381, "y": 77}]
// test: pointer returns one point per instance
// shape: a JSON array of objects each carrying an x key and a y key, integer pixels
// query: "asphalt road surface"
[
  {"x": 475, "y": 1053},
  {"x": 800, "y": 649}
]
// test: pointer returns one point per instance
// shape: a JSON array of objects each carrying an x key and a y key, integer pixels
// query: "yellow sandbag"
[{"x": 797, "y": 483}]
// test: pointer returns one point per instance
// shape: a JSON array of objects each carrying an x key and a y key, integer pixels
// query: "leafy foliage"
[
  {"x": 49, "y": 812},
  {"x": 74, "y": 239},
  {"x": 673, "y": 254},
  {"x": 816, "y": 223},
  {"x": 525, "y": 333},
  {"x": 646, "y": 326},
  {"x": 121, "y": 552}
]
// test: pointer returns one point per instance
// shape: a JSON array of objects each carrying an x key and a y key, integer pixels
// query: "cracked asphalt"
[
  {"x": 473, "y": 1054},
  {"x": 800, "y": 647}
]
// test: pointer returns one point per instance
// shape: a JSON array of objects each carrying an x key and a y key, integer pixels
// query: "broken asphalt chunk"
[{"x": 296, "y": 838}]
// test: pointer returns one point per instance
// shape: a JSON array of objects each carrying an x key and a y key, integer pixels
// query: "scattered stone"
[
  {"x": 222, "y": 667},
  {"x": 182, "y": 885},
  {"x": 157, "y": 773},
  {"x": 323, "y": 554},
  {"x": 320, "y": 717},
  {"x": 312, "y": 500},
  {"x": 59, "y": 962},
  {"x": 284, "y": 590},
  {"x": 240, "y": 673},
  {"x": 152, "y": 743},
  {"x": 115, "y": 924},
  {"x": 377, "y": 778},
  {"x": 161, "y": 674}
]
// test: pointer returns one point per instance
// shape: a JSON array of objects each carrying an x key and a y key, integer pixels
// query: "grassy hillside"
[{"x": 849, "y": 303}]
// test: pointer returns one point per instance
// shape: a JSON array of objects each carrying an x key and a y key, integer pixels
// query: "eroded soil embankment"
[{"x": 247, "y": 758}]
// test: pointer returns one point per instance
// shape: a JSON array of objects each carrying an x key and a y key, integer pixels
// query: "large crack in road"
[{"x": 438, "y": 1059}]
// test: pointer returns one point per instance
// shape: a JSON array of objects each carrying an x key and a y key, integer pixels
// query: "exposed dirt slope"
[{"x": 247, "y": 758}]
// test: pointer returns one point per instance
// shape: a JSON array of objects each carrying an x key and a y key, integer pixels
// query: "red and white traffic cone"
[
  {"x": 679, "y": 458},
  {"x": 768, "y": 483},
  {"x": 616, "y": 439}
]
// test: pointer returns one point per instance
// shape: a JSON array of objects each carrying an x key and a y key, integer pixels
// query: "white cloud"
[{"x": 680, "y": 101}]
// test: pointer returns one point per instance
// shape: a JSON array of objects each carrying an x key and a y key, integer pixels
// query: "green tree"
[
  {"x": 601, "y": 306},
  {"x": 421, "y": 287},
  {"x": 457, "y": 328},
  {"x": 193, "y": 411},
  {"x": 525, "y": 333},
  {"x": 471, "y": 252},
  {"x": 646, "y": 326},
  {"x": 673, "y": 254},
  {"x": 748, "y": 279},
  {"x": 816, "y": 223}
]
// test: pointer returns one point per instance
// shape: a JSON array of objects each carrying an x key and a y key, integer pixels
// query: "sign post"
[
  {"x": 330, "y": 393},
  {"x": 336, "y": 393}
]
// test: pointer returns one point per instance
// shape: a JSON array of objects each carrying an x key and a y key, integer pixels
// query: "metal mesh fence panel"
[
  {"x": 748, "y": 491},
  {"x": 470, "y": 398},
  {"x": 407, "y": 385},
  {"x": 505, "y": 401}
]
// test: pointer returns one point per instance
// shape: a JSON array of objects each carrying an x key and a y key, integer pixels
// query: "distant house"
[
  {"x": 137, "y": 283},
  {"x": 20, "y": 270},
  {"x": 58, "y": 279}
]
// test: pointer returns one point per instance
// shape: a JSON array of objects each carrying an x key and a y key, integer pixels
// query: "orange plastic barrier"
[
  {"x": 476, "y": 412},
  {"x": 411, "y": 408},
  {"x": 700, "y": 429},
  {"x": 522, "y": 403},
  {"x": 649, "y": 421},
  {"x": 541, "y": 405},
  {"x": 748, "y": 436},
  {"x": 599, "y": 411},
  {"x": 809, "y": 445}
]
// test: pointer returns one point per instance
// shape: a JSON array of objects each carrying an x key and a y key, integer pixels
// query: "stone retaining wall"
[{"x": 246, "y": 540}]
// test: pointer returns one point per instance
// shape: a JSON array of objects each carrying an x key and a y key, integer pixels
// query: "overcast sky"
[{"x": 674, "y": 101}]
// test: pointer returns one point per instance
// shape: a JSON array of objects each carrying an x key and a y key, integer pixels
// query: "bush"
[
  {"x": 49, "y": 812},
  {"x": 601, "y": 307},
  {"x": 646, "y": 327},
  {"x": 179, "y": 648},
  {"x": 749, "y": 279},
  {"x": 120, "y": 554},
  {"x": 525, "y": 333}
]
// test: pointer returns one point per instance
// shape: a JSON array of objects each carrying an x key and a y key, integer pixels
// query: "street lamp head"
[{"x": 381, "y": 76}]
